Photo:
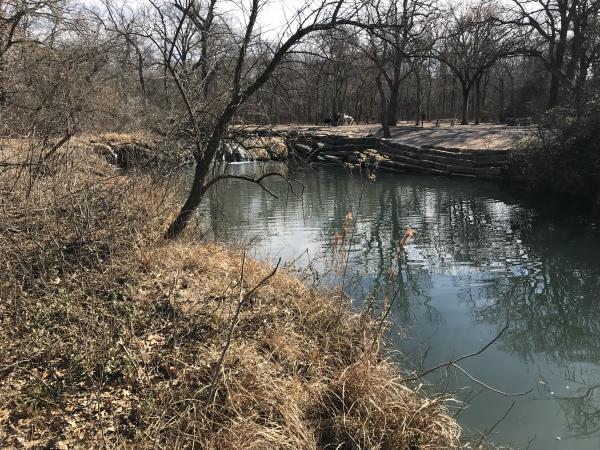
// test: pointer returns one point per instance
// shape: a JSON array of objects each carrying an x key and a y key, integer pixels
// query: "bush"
[{"x": 564, "y": 156}]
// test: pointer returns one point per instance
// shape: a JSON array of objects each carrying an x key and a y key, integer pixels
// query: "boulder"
[{"x": 258, "y": 148}]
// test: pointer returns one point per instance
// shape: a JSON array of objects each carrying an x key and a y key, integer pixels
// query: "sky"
[
  {"x": 273, "y": 17},
  {"x": 275, "y": 14}
]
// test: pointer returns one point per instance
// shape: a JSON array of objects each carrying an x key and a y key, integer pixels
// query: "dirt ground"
[{"x": 484, "y": 136}]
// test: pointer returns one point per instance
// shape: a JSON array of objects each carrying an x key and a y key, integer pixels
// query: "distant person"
[{"x": 423, "y": 116}]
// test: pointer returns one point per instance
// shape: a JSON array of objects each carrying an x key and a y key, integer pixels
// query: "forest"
[{"x": 110, "y": 65}]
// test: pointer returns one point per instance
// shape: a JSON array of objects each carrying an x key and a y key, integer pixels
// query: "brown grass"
[{"x": 109, "y": 337}]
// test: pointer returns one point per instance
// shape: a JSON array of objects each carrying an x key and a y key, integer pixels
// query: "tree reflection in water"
[{"x": 540, "y": 266}]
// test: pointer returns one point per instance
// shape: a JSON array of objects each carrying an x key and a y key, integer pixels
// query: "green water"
[{"x": 479, "y": 254}]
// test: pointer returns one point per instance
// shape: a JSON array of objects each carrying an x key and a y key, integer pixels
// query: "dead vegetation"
[{"x": 110, "y": 337}]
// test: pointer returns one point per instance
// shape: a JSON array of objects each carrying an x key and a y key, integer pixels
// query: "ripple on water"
[{"x": 478, "y": 256}]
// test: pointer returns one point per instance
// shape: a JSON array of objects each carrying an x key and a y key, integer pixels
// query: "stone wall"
[{"x": 473, "y": 163}]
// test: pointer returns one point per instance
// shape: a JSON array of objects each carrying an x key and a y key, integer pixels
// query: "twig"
[
  {"x": 451, "y": 362},
  {"x": 489, "y": 431},
  {"x": 230, "y": 333},
  {"x": 497, "y": 391},
  {"x": 385, "y": 316},
  {"x": 242, "y": 300}
]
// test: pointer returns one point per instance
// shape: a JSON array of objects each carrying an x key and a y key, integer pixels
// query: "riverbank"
[
  {"x": 110, "y": 337},
  {"x": 482, "y": 151},
  {"x": 410, "y": 150},
  {"x": 402, "y": 158}
]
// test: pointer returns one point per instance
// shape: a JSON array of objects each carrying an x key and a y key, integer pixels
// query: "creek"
[{"x": 480, "y": 253}]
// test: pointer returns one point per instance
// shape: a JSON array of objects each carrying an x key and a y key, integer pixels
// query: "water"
[{"x": 479, "y": 254}]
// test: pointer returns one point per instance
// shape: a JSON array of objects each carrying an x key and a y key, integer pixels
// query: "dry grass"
[{"x": 110, "y": 337}]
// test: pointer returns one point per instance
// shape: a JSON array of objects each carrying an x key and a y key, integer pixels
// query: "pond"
[{"x": 480, "y": 254}]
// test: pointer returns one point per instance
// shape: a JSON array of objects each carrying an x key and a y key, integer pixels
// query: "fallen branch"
[
  {"x": 497, "y": 391},
  {"x": 44, "y": 159},
  {"x": 489, "y": 431},
  {"x": 258, "y": 181},
  {"x": 454, "y": 361}
]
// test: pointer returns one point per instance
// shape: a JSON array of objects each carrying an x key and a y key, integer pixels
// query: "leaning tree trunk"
[
  {"x": 191, "y": 203},
  {"x": 201, "y": 172}
]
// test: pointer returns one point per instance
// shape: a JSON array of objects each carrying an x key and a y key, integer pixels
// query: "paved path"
[
  {"x": 472, "y": 137},
  {"x": 493, "y": 137}
]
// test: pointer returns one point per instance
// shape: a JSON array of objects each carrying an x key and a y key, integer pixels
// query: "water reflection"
[{"x": 478, "y": 255}]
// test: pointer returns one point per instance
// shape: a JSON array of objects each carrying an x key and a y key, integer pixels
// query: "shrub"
[{"x": 564, "y": 156}]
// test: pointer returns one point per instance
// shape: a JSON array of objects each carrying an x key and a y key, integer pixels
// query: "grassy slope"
[{"x": 110, "y": 337}]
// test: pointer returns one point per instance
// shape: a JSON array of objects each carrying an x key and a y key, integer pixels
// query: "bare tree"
[
  {"x": 123, "y": 21},
  {"x": 584, "y": 46},
  {"x": 394, "y": 49},
  {"x": 474, "y": 41},
  {"x": 551, "y": 21},
  {"x": 20, "y": 25}
]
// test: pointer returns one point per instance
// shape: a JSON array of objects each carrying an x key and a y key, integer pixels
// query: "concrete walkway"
[{"x": 485, "y": 136}]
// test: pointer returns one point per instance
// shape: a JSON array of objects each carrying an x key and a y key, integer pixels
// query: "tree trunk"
[
  {"x": 501, "y": 100},
  {"x": 465, "y": 106},
  {"x": 392, "y": 114},
  {"x": 553, "y": 93},
  {"x": 453, "y": 99},
  {"x": 191, "y": 203},
  {"x": 442, "y": 114},
  {"x": 140, "y": 71},
  {"x": 419, "y": 100},
  {"x": 384, "y": 108},
  {"x": 580, "y": 86},
  {"x": 478, "y": 101},
  {"x": 334, "y": 102},
  {"x": 513, "y": 106},
  {"x": 555, "y": 74},
  {"x": 3, "y": 93}
]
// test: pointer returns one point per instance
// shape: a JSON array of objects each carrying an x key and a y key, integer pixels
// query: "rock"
[
  {"x": 127, "y": 152},
  {"x": 132, "y": 154},
  {"x": 259, "y": 148}
]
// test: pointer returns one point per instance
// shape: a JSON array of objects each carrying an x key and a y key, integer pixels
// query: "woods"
[{"x": 154, "y": 65}]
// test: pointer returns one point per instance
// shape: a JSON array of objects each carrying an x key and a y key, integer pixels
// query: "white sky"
[
  {"x": 272, "y": 17},
  {"x": 274, "y": 14}
]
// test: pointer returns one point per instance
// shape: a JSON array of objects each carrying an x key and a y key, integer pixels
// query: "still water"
[{"x": 479, "y": 254}]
